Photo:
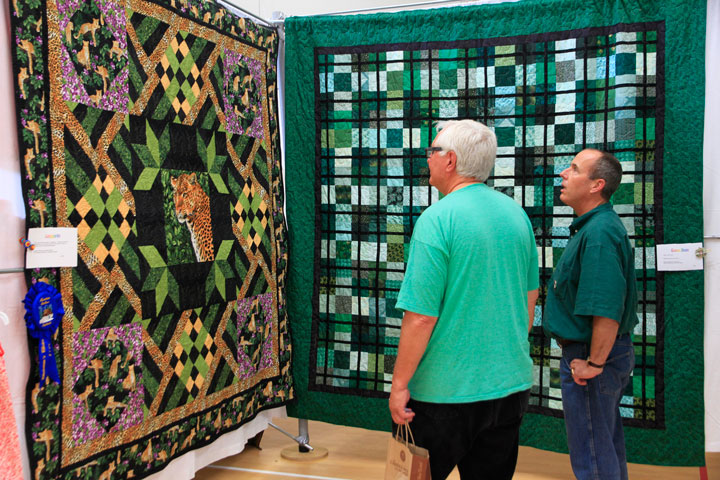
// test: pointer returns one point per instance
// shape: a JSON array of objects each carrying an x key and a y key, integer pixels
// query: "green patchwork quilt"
[{"x": 550, "y": 77}]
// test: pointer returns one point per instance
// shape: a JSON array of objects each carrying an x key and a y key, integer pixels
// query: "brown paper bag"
[{"x": 405, "y": 460}]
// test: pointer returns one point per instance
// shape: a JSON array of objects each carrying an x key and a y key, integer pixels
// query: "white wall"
[
  {"x": 12, "y": 221},
  {"x": 307, "y": 7},
  {"x": 265, "y": 8},
  {"x": 711, "y": 200}
]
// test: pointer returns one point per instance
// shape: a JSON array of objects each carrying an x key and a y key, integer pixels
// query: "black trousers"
[{"x": 481, "y": 438}]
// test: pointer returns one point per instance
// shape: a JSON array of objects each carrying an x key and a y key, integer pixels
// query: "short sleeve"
[{"x": 423, "y": 287}]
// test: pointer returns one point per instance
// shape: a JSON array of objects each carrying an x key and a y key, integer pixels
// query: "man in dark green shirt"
[{"x": 591, "y": 310}]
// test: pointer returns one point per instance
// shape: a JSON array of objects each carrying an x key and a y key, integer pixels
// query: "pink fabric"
[{"x": 10, "y": 462}]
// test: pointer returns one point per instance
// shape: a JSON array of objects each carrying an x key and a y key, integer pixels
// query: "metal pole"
[
  {"x": 407, "y": 5},
  {"x": 302, "y": 442},
  {"x": 12, "y": 270},
  {"x": 229, "y": 3},
  {"x": 304, "y": 434}
]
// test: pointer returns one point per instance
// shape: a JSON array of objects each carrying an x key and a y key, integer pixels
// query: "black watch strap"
[{"x": 593, "y": 364}]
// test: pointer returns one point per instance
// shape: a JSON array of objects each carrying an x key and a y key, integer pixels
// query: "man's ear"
[
  {"x": 598, "y": 185},
  {"x": 450, "y": 161}
]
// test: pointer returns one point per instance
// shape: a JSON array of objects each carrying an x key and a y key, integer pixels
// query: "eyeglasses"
[{"x": 430, "y": 150}]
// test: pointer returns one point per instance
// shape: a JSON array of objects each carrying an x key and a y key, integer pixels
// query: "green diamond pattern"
[
  {"x": 192, "y": 355},
  {"x": 179, "y": 74}
]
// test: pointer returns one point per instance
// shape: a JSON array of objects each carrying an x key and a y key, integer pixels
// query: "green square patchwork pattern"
[{"x": 546, "y": 98}]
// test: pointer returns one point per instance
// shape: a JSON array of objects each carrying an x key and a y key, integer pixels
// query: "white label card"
[
  {"x": 52, "y": 247},
  {"x": 677, "y": 257}
]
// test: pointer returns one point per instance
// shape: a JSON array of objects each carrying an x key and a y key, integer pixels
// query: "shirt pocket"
[{"x": 560, "y": 281}]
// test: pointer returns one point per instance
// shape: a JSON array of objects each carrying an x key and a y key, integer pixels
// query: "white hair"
[{"x": 474, "y": 144}]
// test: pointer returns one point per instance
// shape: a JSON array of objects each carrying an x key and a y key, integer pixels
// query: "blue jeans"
[{"x": 592, "y": 414}]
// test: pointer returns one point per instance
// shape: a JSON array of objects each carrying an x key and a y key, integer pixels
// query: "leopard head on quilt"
[{"x": 192, "y": 207}]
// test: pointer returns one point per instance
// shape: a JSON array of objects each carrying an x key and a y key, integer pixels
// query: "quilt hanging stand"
[
  {"x": 279, "y": 18},
  {"x": 25, "y": 243},
  {"x": 4, "y": 271},
  {"x": 404, "y": 6},
  {"x": 304, "y": 451},
  {"x": 236, "y": 8}
]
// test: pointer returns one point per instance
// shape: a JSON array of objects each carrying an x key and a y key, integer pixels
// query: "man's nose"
[{"x": 563, "y": 174}]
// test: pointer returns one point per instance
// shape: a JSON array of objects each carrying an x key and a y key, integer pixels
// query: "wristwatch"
[{"x": 593, "y": 364}]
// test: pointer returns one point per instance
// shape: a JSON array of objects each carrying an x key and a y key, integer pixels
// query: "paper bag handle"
[{"x": 404, "y": 432}]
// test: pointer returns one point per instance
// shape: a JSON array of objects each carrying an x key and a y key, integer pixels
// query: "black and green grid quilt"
[{"x": 363, "y": 95}]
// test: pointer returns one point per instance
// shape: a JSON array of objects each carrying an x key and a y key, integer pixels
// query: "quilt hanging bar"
[
  {"x": 454, "y": 3},
  {"x": 11, "y": 270},
  {"x": 229, "y": 3}
]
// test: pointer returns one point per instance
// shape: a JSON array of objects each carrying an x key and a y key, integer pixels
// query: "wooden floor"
[{"x": 359, "y": 454}]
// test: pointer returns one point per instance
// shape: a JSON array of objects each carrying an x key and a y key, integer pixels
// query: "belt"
[{"x": 565, "y": 343}]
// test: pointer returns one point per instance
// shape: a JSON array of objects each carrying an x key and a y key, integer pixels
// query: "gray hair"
[
  {"x": 474, "y": 144},
  {"x": 609, "y": 169}
]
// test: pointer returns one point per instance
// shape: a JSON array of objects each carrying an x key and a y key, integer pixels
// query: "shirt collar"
[{"x": 583, "y": 219}]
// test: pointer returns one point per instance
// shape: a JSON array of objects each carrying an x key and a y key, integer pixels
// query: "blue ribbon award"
[{"x": 43, "y": 312}]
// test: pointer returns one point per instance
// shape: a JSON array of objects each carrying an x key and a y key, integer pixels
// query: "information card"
[
  {"x": 52, "y": 247},
  {"x": 676, "y": 257}
]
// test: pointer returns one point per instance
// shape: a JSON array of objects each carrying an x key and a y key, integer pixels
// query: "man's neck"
[
  {"x": 460, "y": 182},
  {"x": 589, "y": 205}
]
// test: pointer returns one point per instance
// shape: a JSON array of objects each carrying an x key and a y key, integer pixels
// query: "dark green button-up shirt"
[{"x": 594, "y": 277}]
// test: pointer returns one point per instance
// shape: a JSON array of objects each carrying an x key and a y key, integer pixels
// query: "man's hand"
[
  {"x": 399, "y": 398},
  {"x": 582, "y": 372},
  {"x": 603, "y": 338}
]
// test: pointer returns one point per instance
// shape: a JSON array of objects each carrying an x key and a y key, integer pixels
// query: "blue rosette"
[{"x": 43, "y": 312}]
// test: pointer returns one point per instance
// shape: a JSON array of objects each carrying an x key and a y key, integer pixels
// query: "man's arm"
[
  {"x": 603, "y": 338},
  {"x": 414, "y": 337},
  {"x": 532, "y": 300}
]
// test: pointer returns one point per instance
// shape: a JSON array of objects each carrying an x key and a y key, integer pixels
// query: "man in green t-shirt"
[
  {"x": 463, "y": 369},
  {"x": 591, "y": 310}
]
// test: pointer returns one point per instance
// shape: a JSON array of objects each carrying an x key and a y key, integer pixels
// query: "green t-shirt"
[
  {"x": 594, "y": 277},
  {"x": 472, "y": 261}
]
